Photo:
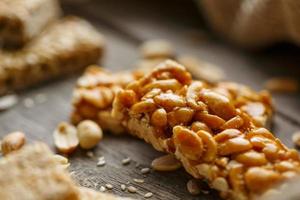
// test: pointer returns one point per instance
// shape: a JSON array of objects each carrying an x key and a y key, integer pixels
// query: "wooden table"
[{"x": 125, "y": 25}]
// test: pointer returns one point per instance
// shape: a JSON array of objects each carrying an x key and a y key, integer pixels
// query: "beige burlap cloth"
[{"x": 254, "y": 23}]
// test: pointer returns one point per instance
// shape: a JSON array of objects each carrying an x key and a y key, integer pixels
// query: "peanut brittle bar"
[
  {"x": 65, "y": 47},
  {"x": 96, "y": 89},
  {"x": 94, "y": 94},
  {"x": 21, "y": 20},
  {"x": 32, "y": 173},
  {"x": 207, "y": 129}
]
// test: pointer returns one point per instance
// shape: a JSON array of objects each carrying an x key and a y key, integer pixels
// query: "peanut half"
[
  {"x": 65, "y": 138},
  {"x": 12, "y": 142}
]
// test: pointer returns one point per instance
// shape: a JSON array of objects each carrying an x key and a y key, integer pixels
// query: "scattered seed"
[
  {"x": 109, "y": 186},
  {"x": 279, "y": 84},
  {"x": 138, "y": 180},
  {"x": 296, "y": 138},
  {"x": 132, "y": 189},
  {"x": 28, "y": 103},
  {"x": 126, "y": 161},
  {"x": 145, "y": 170},
  {"x": 8, "y": 101},
  {"x": 41, "y": 98},
  {"x": 123, "y": 187},
  {"x": 102, "y": 189},
  {"x": 101, "y": 163},
  {"x": 90, "y": 154},
  {"x": 137, "y": 165},
  {"x": 193, "y": 187},
  {"x": 148, "y": 195},
  {"x": 166, "y": 163}
]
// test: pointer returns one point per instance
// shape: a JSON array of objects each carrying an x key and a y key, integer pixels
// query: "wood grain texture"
[{"x": 125, "y": 25}]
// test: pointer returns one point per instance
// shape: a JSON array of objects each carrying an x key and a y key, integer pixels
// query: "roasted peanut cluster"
[
  {"x": 214, "y": 130},
  {"x": 96, "y": 89},
  {"x": 94, "y": 94}
]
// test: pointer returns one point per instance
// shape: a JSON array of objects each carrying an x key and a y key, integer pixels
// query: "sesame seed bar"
[
  {"x": 21, "y": 20},
  {"x": 32, "y": 173},
  {"x": 64, "y": 47},
  {"x": 213, "y": 136}
]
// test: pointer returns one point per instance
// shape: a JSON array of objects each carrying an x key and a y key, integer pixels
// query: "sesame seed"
[
  {"x": 90, "y": 154},
  {"x": 145, "y": 170},
  {"x": 123, "y": 187},
  {"x": 148, "y": 195},
  {"x": 102, "y": 189},
  {"x": 28, "y": 103},
  {"x": 126, "y": 161},
  {"x": 138, "y": 180},
  {"x": 132, "y": 189},
  {"x": 109, "y": 186},
  {"x": 8, "y": 101},
  {"x": 101, "y": 163}
]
